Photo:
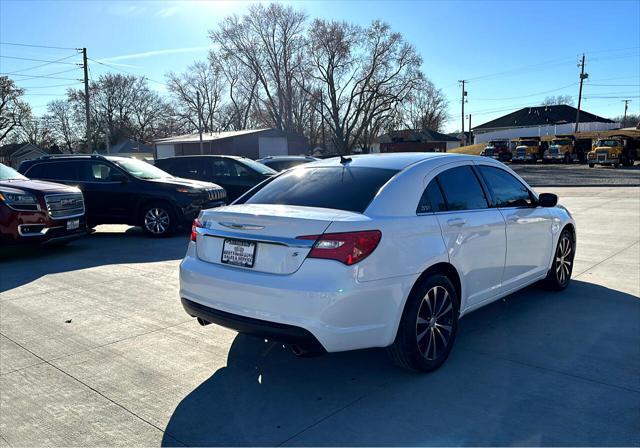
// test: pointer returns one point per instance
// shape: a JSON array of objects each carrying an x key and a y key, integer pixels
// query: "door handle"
[{"x": 456, "y": 222}]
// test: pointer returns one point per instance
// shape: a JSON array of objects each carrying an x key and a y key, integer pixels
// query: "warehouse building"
[
  {"x": 416, "y": 140},
  {"x": 540, "y": 121},
  {"x": 252, "y": 143}
]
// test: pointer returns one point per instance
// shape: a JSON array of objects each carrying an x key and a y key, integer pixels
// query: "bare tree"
[
  {"x": 269, "y": 42},
  {"x": 64, "y": 128},
  {"x": 36, "y": 131},
  {"x": 13, "y": 110},
  {"x": 632, "y": 121},
  {"x": 364, "y": 74},
  {"x": 425, "y": 107},
  {"x": 197, "y": 94},
  {"x": 242, "y": 92},
  {"x": 558, "y": 100},
  {"x": 148, "y": 110}
]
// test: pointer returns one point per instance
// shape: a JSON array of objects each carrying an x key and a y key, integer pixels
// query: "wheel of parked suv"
[
  {"x": 158, "y": 220},
  {"x": 559, "y": 275},
  {"x": 428, "y": 326}
]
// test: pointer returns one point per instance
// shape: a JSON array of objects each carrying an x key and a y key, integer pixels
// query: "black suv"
[
  {"x": 235, "y": 174},
  {"x": 120, "y": 190}
]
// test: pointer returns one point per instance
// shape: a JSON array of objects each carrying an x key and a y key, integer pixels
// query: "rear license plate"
[
  {"x": 238, "y": 253},
  {"x": 73, "y": 224}
]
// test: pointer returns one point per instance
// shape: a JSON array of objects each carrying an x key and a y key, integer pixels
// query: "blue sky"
[{"x": 514, "y": 54}]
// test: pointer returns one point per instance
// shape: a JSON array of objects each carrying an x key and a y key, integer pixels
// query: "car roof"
[
  {"x": 278, "y": 158},
  {"x": 203, "y": 155},
  {"x": 395, "y": 161}
]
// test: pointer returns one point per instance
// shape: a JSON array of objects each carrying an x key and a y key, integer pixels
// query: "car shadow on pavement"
[
  {"x": 531, "y": 370},
  {"x": 20, "y": 265}
]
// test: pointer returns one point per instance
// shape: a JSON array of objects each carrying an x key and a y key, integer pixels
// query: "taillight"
[
  {"x": 348, "y": 247},
  {"x": 196, "y": 224}
]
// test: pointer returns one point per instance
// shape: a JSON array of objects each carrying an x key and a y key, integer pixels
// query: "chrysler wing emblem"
[{"x": 233, "y": 225}]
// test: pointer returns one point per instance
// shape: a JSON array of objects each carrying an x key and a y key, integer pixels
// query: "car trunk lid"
[{"x": 263, "y": 237}]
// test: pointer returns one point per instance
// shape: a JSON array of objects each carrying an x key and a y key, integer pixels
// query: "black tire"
[
  {"x": 428, "y": 327},
  {"x": 567, "y": 158},
  {"x": 591, "y": 165},
  {"x": 158, "y": 219},
  {"x": 559, "y": 275}
]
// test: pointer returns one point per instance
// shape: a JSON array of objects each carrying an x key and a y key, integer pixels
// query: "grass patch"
[{"x": 473, "y": 150}]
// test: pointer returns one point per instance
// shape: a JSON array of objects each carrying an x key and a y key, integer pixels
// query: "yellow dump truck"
[
  {"x": 561, "y": 149},
  {"x": 528, "y": 149},
  {"x": 615, "y": 150}
]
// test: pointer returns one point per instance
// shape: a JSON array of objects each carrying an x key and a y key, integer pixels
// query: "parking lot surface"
[
  {"x": 95, "y": 349},
  {"x": 576, "y": 175}
]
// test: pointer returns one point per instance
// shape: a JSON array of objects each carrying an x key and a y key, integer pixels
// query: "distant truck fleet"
[{"x": 612, "y": 148}]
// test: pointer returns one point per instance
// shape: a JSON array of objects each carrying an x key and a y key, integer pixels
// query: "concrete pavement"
[{"x": 95, "y": 349}]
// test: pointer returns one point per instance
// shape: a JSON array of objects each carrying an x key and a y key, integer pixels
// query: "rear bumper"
[
  {"x": 255, "y": 327},
  {"x": 322, "y": 298}
]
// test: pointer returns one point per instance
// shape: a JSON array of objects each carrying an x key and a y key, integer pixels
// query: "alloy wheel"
[
  {"x": 434, "y": 325},
  {"x": 156, "y": 220},
  {"x": 564, "y": 259}
]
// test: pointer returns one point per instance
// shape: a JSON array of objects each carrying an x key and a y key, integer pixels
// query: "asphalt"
[
  {"x": 95, "y": 349},
  {"x": 577, "y": 175}
]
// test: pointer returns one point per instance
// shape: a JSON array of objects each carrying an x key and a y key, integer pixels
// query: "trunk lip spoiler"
[
  {"x": 233, "y": 225},
  {"x": 282, "y": 241}
]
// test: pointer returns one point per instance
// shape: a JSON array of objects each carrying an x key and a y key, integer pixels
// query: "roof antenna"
[{"x": 344, "y": 160}]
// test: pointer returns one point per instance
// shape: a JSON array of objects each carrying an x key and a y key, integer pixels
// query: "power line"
[
  {"x": 528, "y": 96},
  {"x": 36, "y": 46},
  {"x": 55, "y": 85},
  {"x": 614, "y": 85},
  {"x": 46, "y": 62},
  {"x": 48, "y": 75}
]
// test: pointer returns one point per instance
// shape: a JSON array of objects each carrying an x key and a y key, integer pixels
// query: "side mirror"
[
  {"x": 117, "y": 176},
  {"x": 547, "y": 200}
]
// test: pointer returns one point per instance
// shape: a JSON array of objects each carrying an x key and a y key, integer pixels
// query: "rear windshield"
[{"x": 341, "y": 188}]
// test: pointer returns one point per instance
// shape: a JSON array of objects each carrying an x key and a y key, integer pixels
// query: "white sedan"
[{"x": 374, "y": 251}]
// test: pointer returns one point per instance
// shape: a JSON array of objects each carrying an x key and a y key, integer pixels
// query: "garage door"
[
  {"x": 163, "y": 151},
  {"x": 272, "y": 146}
]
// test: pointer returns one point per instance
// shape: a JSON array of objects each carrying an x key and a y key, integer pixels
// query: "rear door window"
[
  {"x": 461, "y": 189},
  {"x": 507, "y": 191},
  {"x": 432, "y": 199},
  {"x": 341, "y": 188},
  {"x": 64, "y": 170}
]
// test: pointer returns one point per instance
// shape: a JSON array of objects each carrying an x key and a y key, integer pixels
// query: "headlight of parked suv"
[
  {"x": 189, "y": 190},
  {"x": 19, "y": 200}
]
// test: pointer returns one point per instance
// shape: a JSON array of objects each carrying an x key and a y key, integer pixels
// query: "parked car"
[
  {"x": 281, "y": 163},
  {"x": 351, "y": 253},
  {"x": 121, "y": 190},
  {"x": 235, "y": 174},
  {"x": 38, "y": 212}
]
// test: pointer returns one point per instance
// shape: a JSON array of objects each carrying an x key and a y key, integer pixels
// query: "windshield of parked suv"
[
  {"x": 141, "y": 170},
  {"x": 7, "y": 173},
  {"x": 341, "y": 188},
  {"x": 259, "y": 167},
  {"x": 609, "y": 143}
]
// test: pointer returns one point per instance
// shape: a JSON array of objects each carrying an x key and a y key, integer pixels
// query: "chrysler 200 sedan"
[{"x": 374, "y": 251}]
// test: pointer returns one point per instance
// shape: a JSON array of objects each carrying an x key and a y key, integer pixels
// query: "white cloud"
[{"x": 148, "y": 54}]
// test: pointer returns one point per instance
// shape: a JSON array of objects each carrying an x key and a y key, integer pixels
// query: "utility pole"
[
  {"x": 626, "y": 105},
  {"x": 199, "y": 121},
  {"x": 86, "y": 98},
  {"x": 464, "y": 95},
  {"x": 583, "y": 76}
]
